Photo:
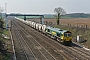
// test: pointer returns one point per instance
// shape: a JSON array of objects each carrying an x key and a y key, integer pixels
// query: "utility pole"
[
  {"x": 6, "y": 15},
  {"x": 43, "y": 19}
]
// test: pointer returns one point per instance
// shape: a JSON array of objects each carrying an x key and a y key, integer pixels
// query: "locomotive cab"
[{"x": 67, "y": 37}]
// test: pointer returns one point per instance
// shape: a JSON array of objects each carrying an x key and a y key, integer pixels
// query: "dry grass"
[{"x": 73, "y": 21}]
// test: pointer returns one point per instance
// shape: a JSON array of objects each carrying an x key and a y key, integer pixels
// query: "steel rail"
[
  {"x": 40, "y": 45},
  {"x": 26, "y": 45}
]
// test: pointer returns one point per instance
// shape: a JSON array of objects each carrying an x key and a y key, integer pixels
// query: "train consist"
[{"x": 57, "y": 34}]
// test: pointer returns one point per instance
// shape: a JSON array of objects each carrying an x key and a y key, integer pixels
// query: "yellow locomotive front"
[{"x": 66, "y": 37}]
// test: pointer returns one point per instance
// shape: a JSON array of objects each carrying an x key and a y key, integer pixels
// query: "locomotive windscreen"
[{"x": 67, "y": 34}]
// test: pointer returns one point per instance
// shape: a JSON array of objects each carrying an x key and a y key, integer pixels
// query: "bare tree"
[{"x": 59, "y": 11}]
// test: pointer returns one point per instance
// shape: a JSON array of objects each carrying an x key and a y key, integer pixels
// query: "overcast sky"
[{"x": 45, "y": 6}]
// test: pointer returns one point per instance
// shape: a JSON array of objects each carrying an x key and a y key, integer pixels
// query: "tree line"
[{"x": 78, "y": 15}]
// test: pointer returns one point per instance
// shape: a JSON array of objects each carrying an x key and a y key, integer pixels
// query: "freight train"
[{"x": 57, "y": 34}]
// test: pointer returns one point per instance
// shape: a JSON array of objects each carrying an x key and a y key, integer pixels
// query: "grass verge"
[{"x": 5, "y": 44}]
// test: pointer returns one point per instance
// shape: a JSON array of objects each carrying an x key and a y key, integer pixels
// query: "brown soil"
[{"x": 72, "y": 21}]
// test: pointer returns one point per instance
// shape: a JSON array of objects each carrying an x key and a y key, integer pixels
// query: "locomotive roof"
[{"x": 57, "y": 30}]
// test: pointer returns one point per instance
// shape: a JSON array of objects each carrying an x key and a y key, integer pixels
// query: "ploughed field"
[{"x": 73, "y": 21}]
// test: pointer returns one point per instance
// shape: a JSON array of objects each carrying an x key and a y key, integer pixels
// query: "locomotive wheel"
[
  {"x": 58, "y": 39},
  {"x": 51, "y": 36},
  {"x": 55, "y": 38}
]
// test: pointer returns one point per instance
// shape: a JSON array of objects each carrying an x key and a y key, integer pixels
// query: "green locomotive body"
[{"x": 60, "y": 35}]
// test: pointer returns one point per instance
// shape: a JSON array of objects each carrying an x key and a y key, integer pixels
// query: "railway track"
[
  {"x": 82, "y": 52},
  {"x": 39, "y": 51},
  {"x": 47, "y": 48},
  {"x": 25, "y": 50},
  {"x": 52, "y": 47},
  {"x": 37, "y": 46},
  {"x": 56, "y": 50},
  {"x": 40, "y": 48}
]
